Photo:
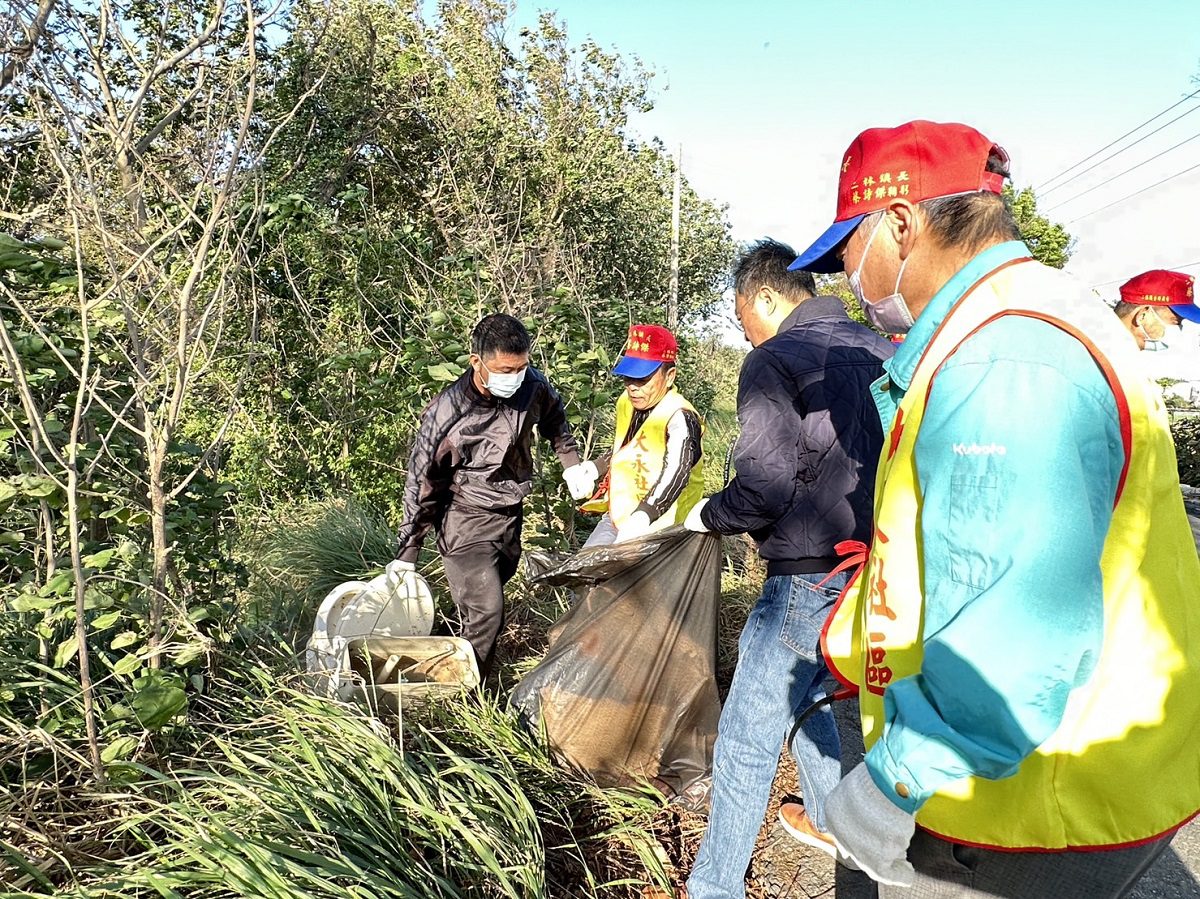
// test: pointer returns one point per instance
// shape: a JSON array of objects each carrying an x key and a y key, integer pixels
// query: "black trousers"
[
  {"x": 477, "y": 578},
  {"x": 947, "y": 870}
]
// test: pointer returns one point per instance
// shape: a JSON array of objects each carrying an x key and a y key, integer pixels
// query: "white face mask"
[
  {"x": 1154, "y": 343},
  {"x": 503, "y": 385},
  {"x": 890, "y": 315}
]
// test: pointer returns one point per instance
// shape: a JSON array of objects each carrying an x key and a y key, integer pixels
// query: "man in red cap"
[
  {"x": 1154, "y": 301},
  {"x": 653, "y": 475},
  {"x": 1023, "y": 630}
]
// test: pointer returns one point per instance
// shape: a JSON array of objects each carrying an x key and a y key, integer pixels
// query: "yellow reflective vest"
[
  {"x": 1123, "y": 766},
  {"x": 637, "y": 463}
]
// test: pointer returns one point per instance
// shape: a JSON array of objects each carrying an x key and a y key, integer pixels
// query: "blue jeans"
[{"x": 779, "y": 674}]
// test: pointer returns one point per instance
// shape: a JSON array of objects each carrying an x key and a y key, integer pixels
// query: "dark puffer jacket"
[
  {"x": 810, "y": 440},
  {"x": 472, "y": 464}
]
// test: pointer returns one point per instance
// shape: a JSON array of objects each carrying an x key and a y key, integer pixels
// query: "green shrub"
[
  {"x": 1186, "y": 431},
  {"x": 302, "y": 551}
]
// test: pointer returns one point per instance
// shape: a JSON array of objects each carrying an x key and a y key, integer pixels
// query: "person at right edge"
[
  {"x": 1025, "y": 631},
  {"x": 804, "y": 464},
  {"x": 1154, "y": 301}
]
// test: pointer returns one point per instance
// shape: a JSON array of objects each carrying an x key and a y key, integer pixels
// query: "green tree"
[
  {"x": 434, "y": 173},
  {"x": 1049, "y": 241}
]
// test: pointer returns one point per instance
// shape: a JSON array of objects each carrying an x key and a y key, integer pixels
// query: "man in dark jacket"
[
  {"x": 805, "y": 463},
  {"x": 472, "y": 465}
]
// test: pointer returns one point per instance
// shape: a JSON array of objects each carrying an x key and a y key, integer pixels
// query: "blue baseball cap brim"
[
  {"x": 632, "y": 367},
  {"x": 1188, "y": 311},
  {"x": 820, "y": 257}
]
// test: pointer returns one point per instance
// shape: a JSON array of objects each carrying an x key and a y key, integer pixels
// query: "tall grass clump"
[
  {"x": 298, "y": 554},
  {"x": 264, "y": 790},
  {"x": 277, "y": 793},
  {"x": 306, "y": 797}
]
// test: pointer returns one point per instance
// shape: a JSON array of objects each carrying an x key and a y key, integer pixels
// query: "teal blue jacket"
[{"x": 1018, "y": 460}]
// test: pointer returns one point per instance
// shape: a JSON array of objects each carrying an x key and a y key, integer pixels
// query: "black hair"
[
  {"x": 765, "y": 264},
  {"x": 975, "y": 220},
  {"x": 499, "y": 333},
  {"x": 1124, "y": 310}
]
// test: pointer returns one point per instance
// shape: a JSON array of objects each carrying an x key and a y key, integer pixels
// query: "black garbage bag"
[{"x": 627, "y": 690}]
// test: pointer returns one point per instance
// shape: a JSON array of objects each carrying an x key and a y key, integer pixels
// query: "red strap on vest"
[{"x": 854, "y": 553}]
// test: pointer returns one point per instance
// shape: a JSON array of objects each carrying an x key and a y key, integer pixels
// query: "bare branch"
[
  {"x": 153, "y": 134},
  {"x": 19, "y": 55},
  {"x": 34, "y": 416}
]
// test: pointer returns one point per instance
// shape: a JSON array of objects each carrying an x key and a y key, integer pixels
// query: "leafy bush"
[{"x": 1185, "y": 429}]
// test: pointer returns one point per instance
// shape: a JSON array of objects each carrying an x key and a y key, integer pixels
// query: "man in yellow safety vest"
[
  {"x": 1024, "y": 632},
  {"x": 654, "y": 473}
]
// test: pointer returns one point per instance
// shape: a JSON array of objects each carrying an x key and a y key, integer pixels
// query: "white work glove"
[
  {"x": 396, "y": 570},
  {"x": 581, "y": 479},
  {"x": 869, "y": 829},
  {"x": 636, "y": 525},
  {"x": 694, "y": 522}
]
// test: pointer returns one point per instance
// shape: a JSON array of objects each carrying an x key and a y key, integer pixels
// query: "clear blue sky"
[{"x": 765, "y": 96}]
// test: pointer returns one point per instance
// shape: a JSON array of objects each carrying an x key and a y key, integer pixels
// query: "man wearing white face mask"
[
  {"x": 1154, "y": 301},
  {"x": 889, "y": 314},
  {"x": 1022, "y": 632},
  {"x": 471, "y": 467}
]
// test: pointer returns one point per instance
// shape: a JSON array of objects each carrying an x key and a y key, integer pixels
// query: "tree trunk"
[
  {"x": 48, "y": 548},
  {"x": 19, "y": 55},
  {"x": 85, "y": 674},
  {"x": 158, "y": 526}
]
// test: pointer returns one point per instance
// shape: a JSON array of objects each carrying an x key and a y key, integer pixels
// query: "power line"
[
  {"x": 1135, "y": 193},
  {"x": 1120, "y": 151},
  {"x": 1124, "y": 173},
  {"x": 1170, "y": 268},
  {"x": 1117, "y": 141}
]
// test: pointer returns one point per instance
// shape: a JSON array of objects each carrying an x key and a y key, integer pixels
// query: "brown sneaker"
[{"x": 796, "y": 822}]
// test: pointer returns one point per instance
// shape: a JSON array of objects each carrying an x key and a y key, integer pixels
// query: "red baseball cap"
[
  {"x": 1159, "y": 287},
  {"x": 648, "y": 347},
  {"x": 918, "y": 161}
]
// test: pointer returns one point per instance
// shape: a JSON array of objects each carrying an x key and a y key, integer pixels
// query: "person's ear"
[
  {"x": 769, "y": 300},
  {"x": 906, "y": 223}
]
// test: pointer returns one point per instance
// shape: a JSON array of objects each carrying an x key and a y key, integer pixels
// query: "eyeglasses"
[{"x": 738, "y": 307}]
